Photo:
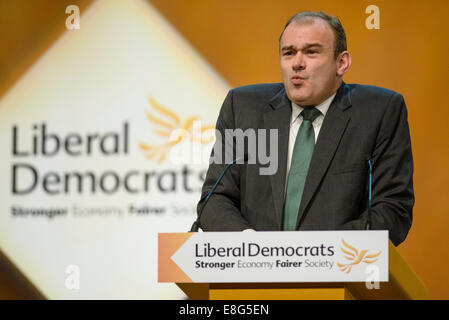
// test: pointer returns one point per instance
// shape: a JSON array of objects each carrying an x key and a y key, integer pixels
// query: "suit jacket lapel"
[
  {"x": 332, "y": 129},
  {"x": 278, "y": 116}
]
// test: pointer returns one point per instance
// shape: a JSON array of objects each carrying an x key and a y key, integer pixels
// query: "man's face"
[{"x": 309, "y": 70}]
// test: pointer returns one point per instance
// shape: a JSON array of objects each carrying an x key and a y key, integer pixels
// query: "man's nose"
[{"x": 298, "y": 61}]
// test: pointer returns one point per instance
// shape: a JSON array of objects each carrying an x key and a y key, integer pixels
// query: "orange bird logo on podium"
[{"x": 356, "y": 257}]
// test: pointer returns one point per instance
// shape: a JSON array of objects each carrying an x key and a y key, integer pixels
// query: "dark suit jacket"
[{"x": 362, "y": 122}]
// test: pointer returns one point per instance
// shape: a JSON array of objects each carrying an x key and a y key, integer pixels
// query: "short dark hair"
[{"x": 334, "y": 23}]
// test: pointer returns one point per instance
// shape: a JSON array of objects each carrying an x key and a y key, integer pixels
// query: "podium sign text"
[{"x": 296, "y": 256}]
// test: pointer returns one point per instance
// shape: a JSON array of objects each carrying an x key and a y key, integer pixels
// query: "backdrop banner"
[{"x": 106, "y": 143}]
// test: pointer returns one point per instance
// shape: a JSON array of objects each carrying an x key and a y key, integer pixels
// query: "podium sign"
[{"x": 287, "y": 256}]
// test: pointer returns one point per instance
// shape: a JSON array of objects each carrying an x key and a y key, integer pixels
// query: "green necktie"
[{"x": 302, "y": 154}]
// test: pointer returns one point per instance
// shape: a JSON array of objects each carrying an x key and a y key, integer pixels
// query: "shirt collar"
[{"x": 323, "y": 107}]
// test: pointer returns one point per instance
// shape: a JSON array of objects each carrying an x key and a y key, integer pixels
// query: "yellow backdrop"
[{"x": 408, "y": 54}]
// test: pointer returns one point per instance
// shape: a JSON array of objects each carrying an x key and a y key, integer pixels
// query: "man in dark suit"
[{"x": 329, "y": 133}]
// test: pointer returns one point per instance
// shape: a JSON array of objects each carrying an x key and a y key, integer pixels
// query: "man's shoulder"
[
  {"x": 260, "y": 91},
  {"x": 373, "y": 102},
  {"x": 363, "y": 91}
]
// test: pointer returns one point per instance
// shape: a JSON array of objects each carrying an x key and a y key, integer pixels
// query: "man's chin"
[
  {"x": 297, "y": 94},
  {"x": 300, "y": 99}
]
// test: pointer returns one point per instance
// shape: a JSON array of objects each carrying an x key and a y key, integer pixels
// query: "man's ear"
[{"x": 343, "y": 63}]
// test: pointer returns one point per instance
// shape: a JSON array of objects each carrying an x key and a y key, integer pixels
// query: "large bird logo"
[
  {"x": 356, "y": 257},
  {"x": 167, "y": 122}
]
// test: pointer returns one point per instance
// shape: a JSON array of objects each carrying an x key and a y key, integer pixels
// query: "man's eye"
[
  {"x": 288, "y": 53},
  {"x": 312, "y": 51}
]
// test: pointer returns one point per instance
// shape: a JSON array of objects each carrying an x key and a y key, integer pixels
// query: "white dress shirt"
[{"x": 296, "y": 121}]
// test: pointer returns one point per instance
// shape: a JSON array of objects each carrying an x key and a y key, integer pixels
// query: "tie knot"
[{"x": 310, "y": 114}]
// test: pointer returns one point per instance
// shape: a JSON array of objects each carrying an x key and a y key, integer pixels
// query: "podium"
[{"x": 402, "y": 282}]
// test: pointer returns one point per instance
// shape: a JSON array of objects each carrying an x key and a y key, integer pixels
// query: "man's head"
[{"x": 313, "y": 57}]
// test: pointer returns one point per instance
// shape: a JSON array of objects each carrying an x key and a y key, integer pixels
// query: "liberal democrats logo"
[
  {"x": 355, "y": 257},
  {"x": 173, "y": 130}
]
